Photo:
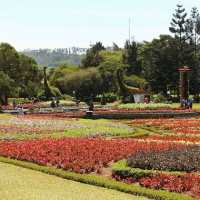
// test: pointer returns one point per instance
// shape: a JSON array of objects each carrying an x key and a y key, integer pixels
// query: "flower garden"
[{"x": 155, "y": 158}]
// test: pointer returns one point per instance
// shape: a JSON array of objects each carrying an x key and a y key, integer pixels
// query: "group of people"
[
  {"x": 186, "y": 103},
  {"x": 55, "y": 102},
  {"x": 16, "y": 106}
]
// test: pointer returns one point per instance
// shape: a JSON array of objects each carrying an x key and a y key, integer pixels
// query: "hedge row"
[
  {"x": 100, "y": 181},
  {"x": 141, "y": 115},
  {"x": 122, "y": 169}
]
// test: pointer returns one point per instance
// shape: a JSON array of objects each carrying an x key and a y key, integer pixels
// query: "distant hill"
[{"x": 55, "y": 57}]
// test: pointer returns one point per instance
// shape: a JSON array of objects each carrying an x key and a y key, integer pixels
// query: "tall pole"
[{"x": 129, "y": 30}]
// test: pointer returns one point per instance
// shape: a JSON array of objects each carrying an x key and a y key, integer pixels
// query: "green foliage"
[
  {"x": 178, "y": 24},
  {"x": 122, "y": 169},
  {"x": 85, "y": 83},
  {"x": 130, "y": 57},
  {"x": 19, "y": 101},
  {"x": 18, "y": 73},
  {"x": 93, "y": 58},
  {"x": 159, "y": 98},
  {"x": 111, "y": 56},
  {"x": 109, "y": 97},
  {"x": 71, "y": 80},
  {"x": 101, "y": 181},
  {"x": 111, "y": 62},
  {"x": 30, "y": 77},
  {"x": 59, "y": 73},
  {"x": 53, "y": 58},
  {"x": 55, "y": 91},
  {"x": 158, "y": 63},
  {"x": 7, "y": 88},
  {"x": 89, "y": 82},
  {"x": 136, "y": 81},
  {"x": 143, "y": 106},
  {"x": 98, "y": 128}
]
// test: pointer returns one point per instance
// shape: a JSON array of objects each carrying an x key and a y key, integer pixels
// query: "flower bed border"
[
  {"x": 118, "y": 114},
  {"x": 143, "y": 115},
  {"x": 100, "y": 181},
  {"x": 120, "y": 168}
]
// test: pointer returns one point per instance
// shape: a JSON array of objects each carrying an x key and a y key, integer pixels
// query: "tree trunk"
[{"x": 4, "y": 100}]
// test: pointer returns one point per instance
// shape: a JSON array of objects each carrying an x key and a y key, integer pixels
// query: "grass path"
[{"x": 17, "y": 183}]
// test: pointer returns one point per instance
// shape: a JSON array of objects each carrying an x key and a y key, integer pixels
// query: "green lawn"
[
  {"x": 153, "y": 106},
  {"x": 23, "y": 184},
  {"x": 150, "y": 106}
]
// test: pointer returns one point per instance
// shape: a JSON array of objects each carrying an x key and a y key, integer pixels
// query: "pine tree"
[
  {"x": 195, "y": 29},
  {"x": 92, "y": 58},
  {"x": 130, "y": 57},
  {"x": 179, "y": 27}
]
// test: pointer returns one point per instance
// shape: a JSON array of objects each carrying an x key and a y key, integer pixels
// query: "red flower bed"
[
  {"x": 173, "y": 138},
  {"x": 77, "y": 154},
  {"x": 180, "y": 126},
  {"x": 77, "y": 114},
  {"x": 187, "y": 183}
]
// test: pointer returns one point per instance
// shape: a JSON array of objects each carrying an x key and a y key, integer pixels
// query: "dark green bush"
[
  {"x": 108, "y": 97},
  {"x": 120, "y": 168},
  {"x": 184, "y": 159}
]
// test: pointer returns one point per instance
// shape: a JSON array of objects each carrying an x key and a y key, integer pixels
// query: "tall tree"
[
  {"x": 130, "y": 57},
  {"x": 18, "y": 70},
  {"x": 194, "y": 28},
  {"x": 30, "y": 78},
  {"x": 193, "y": 33},
  {"x": 179, "y": 28},
  {"x": 93, "y": 58},
  {"x": 159, "y": 63},
  {"x": 7, "y": 88}
]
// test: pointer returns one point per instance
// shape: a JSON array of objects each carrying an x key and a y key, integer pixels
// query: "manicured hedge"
[
  {"x": 100, "y": 181},
  {"x": 121, "y": 168}
]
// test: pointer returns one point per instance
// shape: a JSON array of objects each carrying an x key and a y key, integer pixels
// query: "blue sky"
[{"x": 66, "y": 23}]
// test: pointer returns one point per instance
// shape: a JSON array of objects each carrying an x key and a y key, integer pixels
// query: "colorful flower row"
[
  {"x": 172, "y": 138},
  {"x": 29, "y": 124},
  {"x": 179, "y": 126},
  {"x": 77, "y": 154}
]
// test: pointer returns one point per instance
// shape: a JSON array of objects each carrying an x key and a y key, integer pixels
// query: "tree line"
[{"x": 151, "y": 65}]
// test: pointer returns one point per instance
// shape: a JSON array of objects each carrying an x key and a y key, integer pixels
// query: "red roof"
[{"x": 184, "y": 69}]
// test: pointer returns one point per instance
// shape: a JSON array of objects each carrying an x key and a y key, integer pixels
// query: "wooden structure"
[{"x": 184, "y": 83}]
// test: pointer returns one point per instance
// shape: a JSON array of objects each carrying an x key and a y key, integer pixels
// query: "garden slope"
[{"x": 15, "y": 184}]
